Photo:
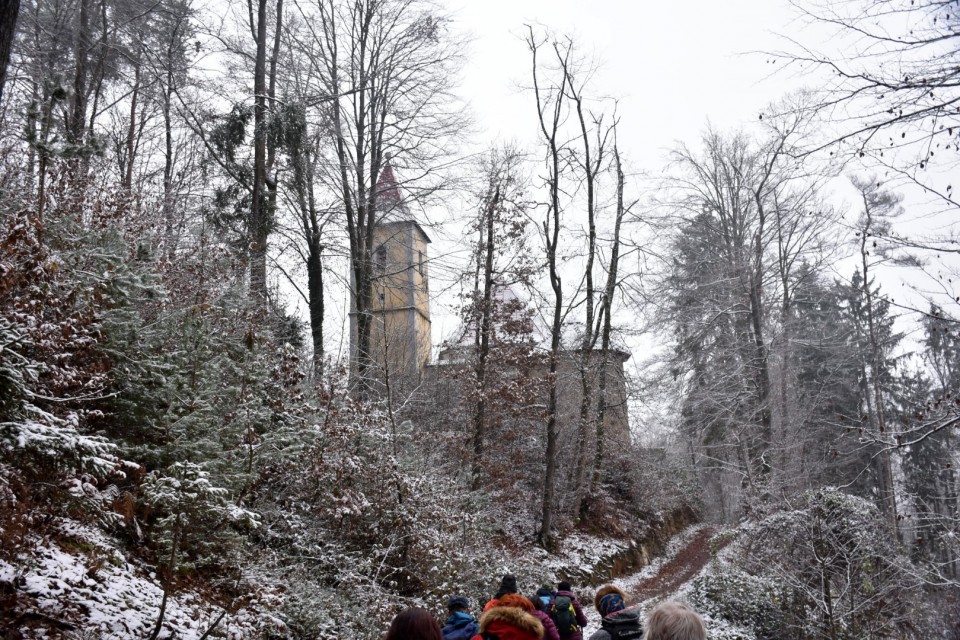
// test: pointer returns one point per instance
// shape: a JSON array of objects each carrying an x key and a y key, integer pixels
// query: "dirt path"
[{"x": 681, "y": 568}]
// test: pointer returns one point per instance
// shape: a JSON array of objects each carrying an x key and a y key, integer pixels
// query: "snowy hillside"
[{"x": 77, "y": 584}]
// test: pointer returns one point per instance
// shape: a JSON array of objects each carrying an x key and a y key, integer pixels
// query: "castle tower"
[{"x": 400, "y": 334}]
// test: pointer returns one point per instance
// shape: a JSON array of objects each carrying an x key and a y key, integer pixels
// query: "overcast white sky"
[
  {"x": 672, "y": 67},
  {"x": 671, "y": 64}
]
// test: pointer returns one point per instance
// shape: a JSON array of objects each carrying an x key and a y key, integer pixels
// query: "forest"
[{"x": 224, "y": 410}]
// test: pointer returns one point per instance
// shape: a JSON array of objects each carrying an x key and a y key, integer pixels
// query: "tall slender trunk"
[
  {"x": 269, "y": 176},
  {"x": 95, "y": 91},
  {"x": 552, "y": 234},
  {"x": 761, "y": 359},
  {"x": 587, "y": 363},
  {"x": 606, "y": 332},
  {"x": 885, "y": 471},
  {"x": 132, "y": 129},
  {"x": 32, "y": 134},
  {"x": 786, "y": 362},
  {"x": 46, "y": 121},
  {"x": 168, "y": 223},
  {"x": 302, "y": 165},
  {"x": 78, "y": 107},
  {"x": 483, "y": 351},
  {"x": 550, "y": 115},
  {"x": 316, "y": 303},
  {"x": 259, "y": 224},
  {"x": 9, "y": 10}
]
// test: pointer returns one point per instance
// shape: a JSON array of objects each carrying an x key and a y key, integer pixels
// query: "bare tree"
[
  {"x": 879, "y": 207},
  {"x": 551, "y": 103},
  {"x": 591, "y": 163},
  {"x": 260, "y": 205},
  {"x": 501, "y": 227},
  {"x": 751, "y": 234},
  {"x": 606, "y": 318},
  {"x": 381, "y": 87},
  {"x": 302, "y": 150},
  {"x": 890, "y": 90}
]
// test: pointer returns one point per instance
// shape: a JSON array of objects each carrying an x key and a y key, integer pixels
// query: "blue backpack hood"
[{"x": 460, "y": 626}]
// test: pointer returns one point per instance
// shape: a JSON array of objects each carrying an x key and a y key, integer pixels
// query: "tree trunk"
[
  {"x": 549, "y": 114},
  {"x": 483, "y": 351},
  {"x": 259, "y": 224},
  {"x": 887, "y": 491},
  {"x": 9, "y": 10},
  {"x": 269, "y": 204},
  {"x": 761, "y": 367},
  {"x": 132, "y": 129},
  {"x": 168, "y": 224},
  {"x": 605, "y": 311},
  {"x": 553, "y": 240},
  {"x": 316, "y": 303},
  {"x": 762, "y": 364},
  {"x": 78, "y": 106},
  {"x": 589, "y": 335}
]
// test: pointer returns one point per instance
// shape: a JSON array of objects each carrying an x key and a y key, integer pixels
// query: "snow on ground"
[
  {"x": 628, "y": 582},
  {"x": 83, "y": 587},
  {"x": 578, "y": 552},
  {"x": 717, "y": 629},
  {"x": 676, "y": 544}
]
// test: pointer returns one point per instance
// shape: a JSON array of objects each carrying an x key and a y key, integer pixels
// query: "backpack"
[
  {"x": 564, "y": 616},
  {"x": 622, "y": 630}
]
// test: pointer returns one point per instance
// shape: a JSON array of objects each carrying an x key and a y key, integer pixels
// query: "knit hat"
[
  {"x": 508, "y": 584},
  {"x": 563, "y": 585},
  {"x": 611, "y": 603},
  {"x": 457, "y": 602},
  {"x": 609, "y": 599}
]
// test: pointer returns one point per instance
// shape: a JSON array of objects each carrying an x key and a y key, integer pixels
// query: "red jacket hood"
[{"x": 509, "y": 623}]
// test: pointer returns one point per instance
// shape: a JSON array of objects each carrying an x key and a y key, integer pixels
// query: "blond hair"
[{"x": 675, "y": 621}]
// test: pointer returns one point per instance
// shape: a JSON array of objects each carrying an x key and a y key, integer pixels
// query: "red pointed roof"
[{"x": 388, "y": 191}]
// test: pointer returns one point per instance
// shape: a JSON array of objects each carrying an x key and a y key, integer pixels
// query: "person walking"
[
  {"x": 675, "y": 621},
  {"x": 510, "y": 618},
  {"x": 618, "y": 622},
  {"x": 567, "y": 613},
  {"x": 541, "y": 611},
  {"x": 460, "y": 624},
  {"x": 508, "y": 584},
  {"x": 414, "y": 624}
]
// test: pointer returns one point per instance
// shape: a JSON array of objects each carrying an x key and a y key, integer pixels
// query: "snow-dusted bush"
[
  {"x": 195, "y": 529},
  {"x": 56, "y": 290},
  {"x": 749, "y": 601},
  {"x": 359, "y": 527},
  {"x": 826, "y": 566}
]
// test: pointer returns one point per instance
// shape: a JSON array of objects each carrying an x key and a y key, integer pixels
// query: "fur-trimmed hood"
[
  {"x": 509, "y": 622},
  {"x": 606, "y": 589}
]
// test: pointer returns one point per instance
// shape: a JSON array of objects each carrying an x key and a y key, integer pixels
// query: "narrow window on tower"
[
  {"x": 380, "y": 260},
  {"x": 420, "y": 263}
]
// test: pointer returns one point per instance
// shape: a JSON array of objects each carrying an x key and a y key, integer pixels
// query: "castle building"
[
  {"x": 400, "y": 333},
  {"x": 400, "y": 339},
  {"x": 458, "y": 352}
]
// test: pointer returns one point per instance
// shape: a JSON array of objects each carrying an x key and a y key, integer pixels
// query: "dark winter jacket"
[
  {"x": 460, "y": 626},
  {"x": 549, "y": 629},
  {"x": 578, "y": 610},
  {"x": 625, "y": 621},
  {"x": 510, "y": 623}
]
